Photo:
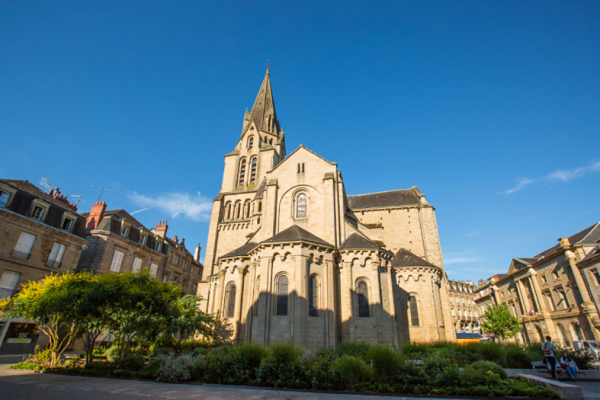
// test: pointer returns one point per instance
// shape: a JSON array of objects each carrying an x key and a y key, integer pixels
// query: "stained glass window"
[
  {"x": 312, "y": 297},
  {"x": 230, "y": 301},
  {"x": 414, "y": 311},
  {"x": 301, "y": 206},
  {"x": 363, "y": 299},
  {"x": 282, "y": 295}
]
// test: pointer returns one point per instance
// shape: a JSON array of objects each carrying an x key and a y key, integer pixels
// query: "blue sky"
[{"x": 491, "y": 108}]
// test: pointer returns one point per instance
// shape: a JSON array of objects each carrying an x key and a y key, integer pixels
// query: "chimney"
[
  {"x": 95, "y": 216},
  {"x": 175, "y": 239},
  {"x": 161, "y": 229},
  {"x": 197, "y": 253}
]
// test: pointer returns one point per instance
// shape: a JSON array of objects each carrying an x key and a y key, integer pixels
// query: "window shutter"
[
  {"x": 137, "y": 265},
  {"x": 25, "y": 243},
  {"x": 153, "y": 269},
  {"x": 116, "y": 263}
]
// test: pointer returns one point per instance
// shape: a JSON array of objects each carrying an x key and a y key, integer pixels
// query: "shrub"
[
  {"x": 516, "y": 357},
  {"x": 112, "y": 353},
  {"x": 483, "y": 373},
  {"x": 283, "y": 368},
  {"x": 251, "y": 355},
  {"x": 353, "y": 370},
  {"x": 180, "y": 369},
  {"x": 521, "y": 387},
  {"x": 223, "y": 365},
  {"x": 385, "y": 361},
  {"x": 286, "y": 352},
  {"x": 132, "y": 362},
  {"x": 355, "y": 349},
  {"x": 37, "y": 361},
  {"x": 162, "y": 351}
]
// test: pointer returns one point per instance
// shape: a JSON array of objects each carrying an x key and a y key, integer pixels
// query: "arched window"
[
  {"x": 301, "y": 205},
  {"x": 414, "y": 311},
  {"x": 250, "y": 142},
  {"x": 230, "y": 296},
  {"x": 363, "y": 299},
  {"x": 282, "y": 295},
  {"x": 228, "y": 211},
  {"x": 313, "y": 299},
  {"x": 242, "y": 173},
  {"x": 577, "y": 331},
  {"x": 238, "y": 206},
  {"x": 253, "y": 165}
]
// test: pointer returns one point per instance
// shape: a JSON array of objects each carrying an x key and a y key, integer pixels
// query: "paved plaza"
[{"x": 21, "y": 384}]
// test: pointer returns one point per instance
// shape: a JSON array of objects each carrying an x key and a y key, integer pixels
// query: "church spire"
[{"x": 263, "y": 112}]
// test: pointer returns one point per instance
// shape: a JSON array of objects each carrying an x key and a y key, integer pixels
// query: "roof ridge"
[
  {"x": 383, "y": 191},
  {"x": 588, "y": 234}
]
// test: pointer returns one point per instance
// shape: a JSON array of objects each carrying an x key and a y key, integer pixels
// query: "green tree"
[
  {"x": 498, "y": 320},
  {"x": 190, "y": 321},
  {"x": 49, "y": 304}
]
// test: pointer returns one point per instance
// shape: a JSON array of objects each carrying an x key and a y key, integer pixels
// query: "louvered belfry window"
[
  {"x": 242, "y": 174},
  {"x": 253, "y": 165},
  {"x": 313, "y": 300},
  {"x": 282, "y": 295},
  {"x": 363, "y": 299},
  {"x": 230, "y": 301}
]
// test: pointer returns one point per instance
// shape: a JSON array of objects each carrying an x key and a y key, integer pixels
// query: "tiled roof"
[
  {"x": 241, "y": 251},
  {"x": 405, "y": 258},
  {"x": 356, "y": 241},
  {"x": 296, "y": 234},
  {"x": 391, "y": 198}
]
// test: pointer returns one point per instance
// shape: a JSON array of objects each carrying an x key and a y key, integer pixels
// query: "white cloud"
[
  {"x": 567, "y": 175},
  {"x": 556, "y": 176},
  {"x": 196, "y": 207},
  {"x": 460, "y": 257},
  {"x": 522, "y": 183}
]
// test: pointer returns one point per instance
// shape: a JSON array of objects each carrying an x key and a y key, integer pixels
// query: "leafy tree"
[
  {"x": 191, "y": 322},
  {"x": 49, "y": 304},
  {"x": 499, "y": 321}
]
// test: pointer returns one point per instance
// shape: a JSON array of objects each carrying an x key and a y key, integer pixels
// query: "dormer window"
[
  {"x": 143, "y": 240},
  {"x": 125, "y": 231},
  {"x": 4, "y": 196},
  {"x": 39, "y": 209},
  {"x": 68, "y": 222},
  {"x": 158, "y": 246},
  {"x": 37, "y": 213}
]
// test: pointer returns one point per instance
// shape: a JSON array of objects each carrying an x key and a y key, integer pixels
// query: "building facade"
[
  {"x": 120, "y": 243},
  {"x": 42, "y": 234},
  {"x": 292, "y": 258},
  {"x": 554, "y": 293},
  {"x": 462, "y": 306}
]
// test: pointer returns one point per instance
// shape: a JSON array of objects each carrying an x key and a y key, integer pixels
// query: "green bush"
[
  {"x": 516, "y": 357},
  {"x": 355, "y": 349},
  {"x": 353, "y": 370},
  {"x": 484, "y": 373},
  {"x": 223, "y": 365},
  {"x": 157, "y": 351},
  {"x": 251, "y": 355},
  {"x": 180, "y": 369},
  {"x": 385, "y": 361},
  {"x": 132, "y": 362},
  {"x": 286, "y": 352},
  {"x": 283, "y": 368},
  {"x": 112, "y": 353}
]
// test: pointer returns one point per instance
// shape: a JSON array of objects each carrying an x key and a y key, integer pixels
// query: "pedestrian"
[
  {"x": 567, "y": 363},
  {"x": 549, "y": 352}
]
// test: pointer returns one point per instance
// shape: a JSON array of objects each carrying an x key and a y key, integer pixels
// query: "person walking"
[
  {"x": 549, "y": 352},
  {"x": 567, "y": 363}
]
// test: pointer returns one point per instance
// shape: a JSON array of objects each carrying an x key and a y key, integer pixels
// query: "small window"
[
  {"x": 37, "y": 213},
  {"x": 301, "y": 206},
  {"x": 363, "y": 299},
  {"x": 555, "y": 275},
  {"x": 230, "y": 296},
  {"x": 313, "y": 299},
  {"x": 8, "y": 283},
  {"x": 56, "y": 255},
  {"x": 414, "y": 311},
  {"x": 282, "y": 295},
  {"x": 166, "y": 278},
  {"x": 4, "y": 196},
  {"x": 125, "y": 231},
  {"x": 158, "y": 246},
  {"x": 153, "y": 269},
  {"x": 143, "y": 240},
  {"x": 67, "y": 224},
  {"x": 24, "y": 245},
  {"x": 596, "y": 275},
  {"x": 116, "y": 262},
  {"x": 137, "y": 265},
  {"x": 300, "y": 168},
  {"x": 176, "y": 280},
  {"x": 250, "y": 142},
  {"x": 544, "y": 279}
]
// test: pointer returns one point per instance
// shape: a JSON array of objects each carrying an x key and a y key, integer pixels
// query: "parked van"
[{"x": 589, "y": 346}]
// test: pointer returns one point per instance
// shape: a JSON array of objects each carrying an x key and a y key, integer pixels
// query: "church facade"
[{"x": 292, "y": 258}]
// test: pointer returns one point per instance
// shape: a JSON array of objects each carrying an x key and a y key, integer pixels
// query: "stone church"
[{"x": 292, "y": 258}]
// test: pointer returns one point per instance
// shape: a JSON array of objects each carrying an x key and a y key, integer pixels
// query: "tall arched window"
[
  {"x": 313, "y": 299},
  {"x": 247, "y": 209},
  {"x": 577, "y": 331},
  {"x": 228, "y": 211},
  {"x": 253, "y": 165},
  {"x": 242, "y": 173},
  {"x": 414, "y": 311},
  {"x": 230, "y": 296},
  {"x": 282, "y": 295},
  {"x": 238, "y": 206},
  {"x": 301, "y": 205},
  {"x": 362, "y": 291},
  {"x": 250, "y": 142}
]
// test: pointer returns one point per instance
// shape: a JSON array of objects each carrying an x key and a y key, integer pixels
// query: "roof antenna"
[
  {"x": 49, "y": 187},
  {"x": 78, "y": 197},
  {"x": 102, "y": 190}
]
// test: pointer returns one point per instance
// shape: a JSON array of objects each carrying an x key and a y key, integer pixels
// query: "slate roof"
[
  {"x": 296, "y": 234},
  {"x": 240, "y": 251},
  {"x": 590, "y": 235},
  {"x": 405, "y": 258},
  {"x": 33, "y": 190},
  {"x": 402, "y": 197},
  {"x": 356, "y": 241},
  {"x": 527, "y": 261},
  {"x": 594, "y": 254}
]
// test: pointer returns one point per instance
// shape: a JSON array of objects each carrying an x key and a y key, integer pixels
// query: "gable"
[{"x": 306, "y": 155}]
